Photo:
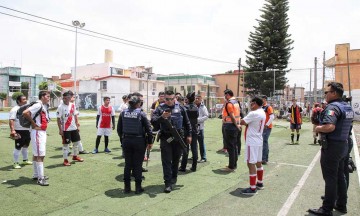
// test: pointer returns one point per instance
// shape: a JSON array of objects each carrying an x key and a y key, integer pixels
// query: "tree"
[
  {"x": 269, "y": 49},
  {"x": 15, "y": 95},
  {"x": 2, "y": 98},
  {"x": 25, "y": 88},
  {"x": 53, "y": 94}
]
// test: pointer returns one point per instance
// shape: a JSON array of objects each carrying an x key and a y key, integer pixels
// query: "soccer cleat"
[
  {"x": 27, "y": 162},
  {"x": 66, "y": 163},
  {"x": 36, "y": 178},
  {"x": 202, "y": 161},
  {"x": 167, "y": 189},
  {"x": 249, "y": 191},
  {"x": 227, "y": 169},
  {"x": 43, "y": 182},
  {"x": 182, "y": 169},
  {"x": 107, "y": 150},
  {"x": 77, "y": 158},
  {"x": 292, "y": 142},
  {"x": 16, "y": 166},
  {"x": 95, "y": 151},
  {"x": 259, "y": 186}
]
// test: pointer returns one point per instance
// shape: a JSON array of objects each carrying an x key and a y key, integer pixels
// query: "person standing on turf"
[
  {"x": 295, "y": 115},
  {"x": 255, "y": 122},
  {"x": 267, "y": 129},
  {"x": 105, "y": 121},
  {"x": 16, "y": 131}
]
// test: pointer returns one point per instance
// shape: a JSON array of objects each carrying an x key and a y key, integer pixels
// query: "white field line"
[
  {"x": 356, "y": 155},
  {"x": 290, "y": 164},
  {"x": 287, "y": 205}
]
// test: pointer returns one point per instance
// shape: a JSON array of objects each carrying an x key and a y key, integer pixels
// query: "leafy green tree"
[
  {"x": 53, "y": 94},
  {"x": 269, "y": 50},
  {"x": 25, "y": 88},
  {"x": 2, "y": 98},
  {"x": 15, "y": 95}
]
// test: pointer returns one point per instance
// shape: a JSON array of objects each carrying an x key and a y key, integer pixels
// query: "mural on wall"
[{"x": 88, "y": 101}]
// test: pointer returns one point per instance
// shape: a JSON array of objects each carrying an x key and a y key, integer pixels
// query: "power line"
[{"x": 125, "y": 41}]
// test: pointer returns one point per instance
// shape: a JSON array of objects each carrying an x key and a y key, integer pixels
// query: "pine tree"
[{"x": 269, "y": 49}]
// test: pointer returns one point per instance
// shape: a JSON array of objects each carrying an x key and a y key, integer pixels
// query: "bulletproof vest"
[
  {"x": 193, "y": 113},
  {"x": 343, "y": 125},
  {"x": 176, "y": 117},
  {"x": 132, "y": 122}
]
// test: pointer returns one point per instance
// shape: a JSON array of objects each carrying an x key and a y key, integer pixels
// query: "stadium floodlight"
[{"x": 77, "y": 24}]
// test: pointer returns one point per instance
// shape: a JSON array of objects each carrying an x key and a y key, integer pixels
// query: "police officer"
[
  {"x": 193, "y": 114},
  {"x": 170, "y": 147},
  {"x": 132, "y": 127},
  {"x": 334, "y": 128}
]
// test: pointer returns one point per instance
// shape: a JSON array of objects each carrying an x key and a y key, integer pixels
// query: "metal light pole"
[{"x": 77, "y": 24}]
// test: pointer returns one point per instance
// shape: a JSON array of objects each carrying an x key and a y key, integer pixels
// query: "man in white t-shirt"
[
  {"x": 124, "y": 104},
  {"x": 38, "y": 134},
  {"x": 20, "y": 134},
  {"x": 255, "y": 122},
  {"x": 68, "y": 127}
]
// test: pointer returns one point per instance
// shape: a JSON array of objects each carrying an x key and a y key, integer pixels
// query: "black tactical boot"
[
  {"x": 138, "y": 188},
  {"x": 127, "y": 187}
]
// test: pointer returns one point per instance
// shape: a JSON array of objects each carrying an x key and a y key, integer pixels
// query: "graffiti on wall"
[{"x": 88, "y": 101}]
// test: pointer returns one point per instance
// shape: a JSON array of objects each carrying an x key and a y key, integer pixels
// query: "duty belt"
[{"x": 130, "y": 135}]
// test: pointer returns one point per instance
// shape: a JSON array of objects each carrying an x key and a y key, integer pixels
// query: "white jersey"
[
  {"x": 122, "y": 107},
  {"x": 66, "y": 114},
  {"x": 12, "y": 116},
  {"x": 255, "y": 121},
  {"x": 43, "y": 118}
]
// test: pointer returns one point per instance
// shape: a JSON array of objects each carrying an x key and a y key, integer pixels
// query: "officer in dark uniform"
[
  {"x": 132, "y": 127},
  {"x": 170, "y": 147},
  {"x": 335, "y": 127},
  {"x": 193, "y": 114}
]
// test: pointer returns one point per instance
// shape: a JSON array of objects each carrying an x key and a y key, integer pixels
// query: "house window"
[
  {"x": 103, "y": 85},
  {"x": 191, "y": 88},
  {"x": 203, "y": 88},
  {"x": 154, "y": 86},
  {"x": 182, "y": 88},
  {"x": 117, "y": 71}
]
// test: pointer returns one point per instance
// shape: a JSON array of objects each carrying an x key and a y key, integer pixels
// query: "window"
[
  {"x": 191, "y": 88},
  {"x": 117, "y": 71},
  {"x": 203, "y": 88},
  {"x": 182, "y": 88},
  {"x": 154, "y": 86},
  {"x": 169, "y": 88},
  {"x": 103, "y": 85}
]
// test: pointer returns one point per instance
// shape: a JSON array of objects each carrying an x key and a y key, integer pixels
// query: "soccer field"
[{"x": 293, "y": 180}]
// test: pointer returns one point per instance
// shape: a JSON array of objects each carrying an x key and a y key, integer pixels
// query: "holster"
[{"x": 324, "y": 143}]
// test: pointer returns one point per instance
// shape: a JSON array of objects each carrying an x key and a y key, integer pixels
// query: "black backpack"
[{"x": 22, "y": 120}]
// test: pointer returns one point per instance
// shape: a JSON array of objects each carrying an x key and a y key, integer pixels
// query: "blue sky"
[{"x": 208, "y": 28}]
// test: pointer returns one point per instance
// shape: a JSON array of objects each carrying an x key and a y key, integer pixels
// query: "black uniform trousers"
[
  {"x": 170, "y": 157},
  {"x": 194, "y": 152},
  {"x": 332, "y": 166},
  {"x": 134, "y": 155},
  {"x": 231, "y": 141},
  {"x": 346, "y": 161}
]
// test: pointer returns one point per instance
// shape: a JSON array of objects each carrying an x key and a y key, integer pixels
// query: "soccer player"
[
  {"x": 38, "y": 135},
  {"x": 295, "y": 113},
  {"x": 105, "y": 120},
  {"x": 20, "y": 134},
  {"x": 315, "y": 119},
  {"x": 68, "y": 124},
  {"x": 267, "y": 129},
  {"x": 255, "y": 122}
]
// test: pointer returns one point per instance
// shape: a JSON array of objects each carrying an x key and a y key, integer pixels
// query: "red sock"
[
  {"x": 260, "y": 174},
  {"x": 252, "y": 181}
]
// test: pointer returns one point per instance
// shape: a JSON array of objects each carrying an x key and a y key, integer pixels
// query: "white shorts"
[
  {"x": 253, "y": 154},
  {"x": 38, "y": 140},
  {"x": 104, "y": 131}
]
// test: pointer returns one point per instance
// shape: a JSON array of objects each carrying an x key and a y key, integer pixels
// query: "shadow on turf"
[
  {"x": 56, "y": 156},
  {"x": 151, "y": 190},
  {"x": 237, "y": 193},
  {"x": 19, "y": 182},
  {"x": 7, "y": 168},
  {"x": 221, "y": 172}
]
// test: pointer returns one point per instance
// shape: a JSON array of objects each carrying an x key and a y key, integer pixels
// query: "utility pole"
[
  {"x": 323, "y": 79},
  {"x": 315, "y": 80},
  {"x": 348, "y": 66},
  {"x": 310, "y": 98},
  {"x": 238, "y": 84},
  {"x": 274, "y": 84}
]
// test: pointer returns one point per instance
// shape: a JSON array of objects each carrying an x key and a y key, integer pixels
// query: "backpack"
[{"x": 22, "y": 120}]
